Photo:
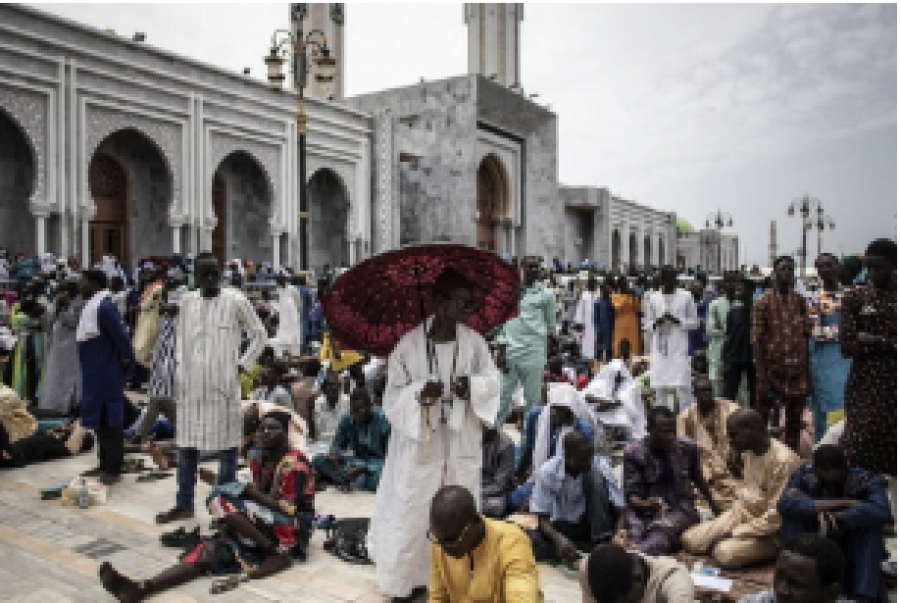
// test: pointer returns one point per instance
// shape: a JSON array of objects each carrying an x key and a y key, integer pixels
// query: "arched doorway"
[
  {"x": 108, "y": 234},
  {"x": 220, "y": 209},
  {"x": 328, "y": 207},
  {"x": 131, "y": 185},
  {"x": 492, "y": 201},
  {"x": 648, "y": 252},
  {"x": 662, "y": 253},
  {"x": 17, "y": 180},
  {"x": 632, "y": 251},
  {"x": 616, "y": 249},
  {"x": 241, "y": 188}
]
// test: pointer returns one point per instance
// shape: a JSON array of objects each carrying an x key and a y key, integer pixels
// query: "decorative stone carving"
[
  {"x": 267, "y": 156},
  {"x": 101, "y": 122},
  {"x": 337, "y": 12},
  {"x": 29, "y": 110},
  {"x": 385, "y": 170}
]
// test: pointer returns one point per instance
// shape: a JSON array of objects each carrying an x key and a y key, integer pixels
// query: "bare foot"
[{"x": 159, "y": 457}]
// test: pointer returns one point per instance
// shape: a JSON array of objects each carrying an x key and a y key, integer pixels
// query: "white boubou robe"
[
  {"x": 631, "y": 415},
  {"x": 584, "y": 315},
  {"x": 669, "y": 343},
  {"x": 289, "y": 336},
  {"x": 424, "y": 453}
]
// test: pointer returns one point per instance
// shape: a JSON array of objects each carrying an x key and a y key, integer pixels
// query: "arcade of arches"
[
  {"x": 131, "y": 187},
  {"x": 242, "y": 203},
  {"x": 17, "y": 175},
  {"x": 493, "y": 223},
  {"x": 328, "y": 208}
]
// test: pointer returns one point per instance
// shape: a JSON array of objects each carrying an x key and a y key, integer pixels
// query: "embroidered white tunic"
[
  {"x": 425, "y": 453},
  {"x": 669, "y": 343},
  {"x": 207, "y": 355}
]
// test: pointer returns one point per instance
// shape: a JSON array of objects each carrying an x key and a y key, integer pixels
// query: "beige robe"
[
  {"x": 747, "y": 532},
  {"x": 713, "y": 446},
  {"x": 146, "y": 331},
  {"x": 669, "y": 581}
]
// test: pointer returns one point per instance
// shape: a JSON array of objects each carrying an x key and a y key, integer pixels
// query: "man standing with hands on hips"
[{"x": 208, "y": 361}]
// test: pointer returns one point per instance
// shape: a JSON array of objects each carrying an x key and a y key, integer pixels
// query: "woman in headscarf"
[
  {"x": 61, "y": 391},
  {"x": 25, "y": 371}
]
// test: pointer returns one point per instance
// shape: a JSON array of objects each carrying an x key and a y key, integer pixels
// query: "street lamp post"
[
  {"x": 806, "y": 207},
  {"x": 823, "y": 221},
  {"x": 312, "y": 47},
  {"x": 719, "y": 220}
]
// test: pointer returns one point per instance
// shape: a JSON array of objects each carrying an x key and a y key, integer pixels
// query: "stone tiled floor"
[{"x": 49, "y": 552}]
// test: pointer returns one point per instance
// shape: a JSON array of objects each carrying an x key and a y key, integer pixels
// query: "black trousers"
[
  {"x": 110, "y": 448},
  {"x": 733, "y": 374}
]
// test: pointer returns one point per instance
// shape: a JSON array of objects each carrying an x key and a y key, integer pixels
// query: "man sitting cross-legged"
[
  {"x": 474, "y": 558},
  {"x": 850, "y": 506},
  {"x": 576, "y": 499},
  {"x": 660, "y": 474},
  {"x": 365, "y": 431},
  {"x": 704, "y": 423},
  {"x": 269, "y": 520},
  {"x": 747, "y": 532}
]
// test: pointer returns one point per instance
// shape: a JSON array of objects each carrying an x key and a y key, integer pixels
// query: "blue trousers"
[
  {"x": 368, "y": 480},
  {"x": 531, "y": 376},
  {"x": 863, "y": 553},
  {"x": 186, "y": 475}
]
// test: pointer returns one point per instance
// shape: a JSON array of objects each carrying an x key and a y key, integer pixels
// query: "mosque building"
[{"x": 109, "y": 145}]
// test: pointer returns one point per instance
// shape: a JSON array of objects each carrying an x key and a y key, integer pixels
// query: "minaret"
[
  {"x": 328, "y": 18},
  {"x": 495, "y": 42},
  {"x": 773, "y": 245}
]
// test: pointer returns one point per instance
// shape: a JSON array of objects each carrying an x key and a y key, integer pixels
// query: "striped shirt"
[{"x": 207, "y": 355}]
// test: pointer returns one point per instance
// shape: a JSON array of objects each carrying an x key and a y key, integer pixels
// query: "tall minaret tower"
[
  {"x": 329, "y": 18},
  {"x": 495, "y": 42},
  {"x": 773, "y": 245}
]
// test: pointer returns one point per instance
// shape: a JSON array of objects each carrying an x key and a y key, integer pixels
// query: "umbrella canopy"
[{"x": 373, "y": 305}]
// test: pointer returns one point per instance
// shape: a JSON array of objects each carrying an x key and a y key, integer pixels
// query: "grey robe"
[{"x": 61, "y": 387}]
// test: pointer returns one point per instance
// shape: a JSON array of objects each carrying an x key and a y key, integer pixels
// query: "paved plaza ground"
[{"x": 49, "y": 553}]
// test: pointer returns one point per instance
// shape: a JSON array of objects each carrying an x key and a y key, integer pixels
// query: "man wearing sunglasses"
[{"x": 474, "y": 558}]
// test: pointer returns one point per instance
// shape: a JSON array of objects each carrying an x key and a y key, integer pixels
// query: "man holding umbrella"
[{"x": 442, "y": 386}]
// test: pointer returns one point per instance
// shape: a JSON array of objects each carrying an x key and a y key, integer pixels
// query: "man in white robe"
[
  {"x": 289, "y": 336},
  {"x": 436, "y": 410},
  {"x": 584, "y": 319},
  {"x": 617, "y": 401},
  {"x": 207, "y": 354},
  {"x": 669, "y": 314}
]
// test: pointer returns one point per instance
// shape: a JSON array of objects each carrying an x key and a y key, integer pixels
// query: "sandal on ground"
[
  {"x": 153, "y": 476},
  {"x": 226, "y": 584},
  {"x": 175, "y": 514},
  {"x": 181, "y": 538}
]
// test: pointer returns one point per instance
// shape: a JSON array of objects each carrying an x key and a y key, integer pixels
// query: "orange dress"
[{"x": 627, "y": 307}]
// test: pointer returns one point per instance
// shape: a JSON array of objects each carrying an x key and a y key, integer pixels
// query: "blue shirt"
[{"x": 561, "y": 496}]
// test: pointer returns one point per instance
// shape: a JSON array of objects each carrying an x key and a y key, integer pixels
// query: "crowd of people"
[{"x": 624, "y": 427}]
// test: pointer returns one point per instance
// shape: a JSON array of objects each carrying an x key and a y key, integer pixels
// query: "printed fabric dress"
[
  {"x": 870, "y": 400},
  {"x": 828, "y": 367}
]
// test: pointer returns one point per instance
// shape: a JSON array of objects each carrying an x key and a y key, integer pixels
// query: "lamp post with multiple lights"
[
  {"x": 303, "y": 50},
  {"x": 719, "y": 220}
]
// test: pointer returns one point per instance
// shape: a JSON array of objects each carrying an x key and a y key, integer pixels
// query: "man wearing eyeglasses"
[{"x": 474, "y": 558}]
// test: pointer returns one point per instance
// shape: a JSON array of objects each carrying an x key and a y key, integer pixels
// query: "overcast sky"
[{"x": 690, "y": 108}]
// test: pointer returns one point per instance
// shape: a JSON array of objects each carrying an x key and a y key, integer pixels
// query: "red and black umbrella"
[{"x": 373, "y": 305}]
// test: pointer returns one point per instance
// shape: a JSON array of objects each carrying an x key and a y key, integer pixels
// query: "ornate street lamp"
[
  {"x": 822, "y": 222},
  {"x": 806, "y": 207},
  {"x": 719, "y": 220},
  {"x": 304, "y": 49}
]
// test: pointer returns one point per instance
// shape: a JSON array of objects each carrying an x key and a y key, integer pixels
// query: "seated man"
[
  {"x": 576, "y": 499},
  {"x": 365, "y": 431},
  {"x": 617, "y": 400},
  {"x": 747, "y": 532},
  {"x": 809, "y": 570},
  {"x": 498, "y": 471},
  {"x": 704, "y": 423},
  {"x": 269, "y": 520},
  {"x": 57, "y": 443},
  {"x": 565, "y": 411},
  {"x": 328, "y": 408},
  {"x": 270, "y": 390},
  {"x": 474, "y": 558},
  {"x": 851, "y": 506},
  {"x": 659, "y": 477},
  {"x": 611, "y": 573}
]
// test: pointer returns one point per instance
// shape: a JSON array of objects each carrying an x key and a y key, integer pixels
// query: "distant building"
[{"x": 706, "y": 250}]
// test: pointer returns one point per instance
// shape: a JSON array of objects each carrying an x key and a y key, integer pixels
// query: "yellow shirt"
[{"x": 504, "y": 570}]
